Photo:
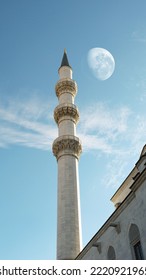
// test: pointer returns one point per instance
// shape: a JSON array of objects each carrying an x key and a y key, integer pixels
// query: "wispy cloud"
[
  {"x": 115, "y": 133},
  {"x": 103, "y": 126},
  {"x": 26, "y": 123}
]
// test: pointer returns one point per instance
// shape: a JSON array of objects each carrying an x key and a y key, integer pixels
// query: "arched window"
[
  {"x": 134, "y": 237},
  {"x": 111, "y": 253}
]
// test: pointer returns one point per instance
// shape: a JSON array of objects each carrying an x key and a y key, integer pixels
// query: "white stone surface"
[
  {"x": 68, "y": 243},
  {"x": 67, "y": 127},
  {"x": 66, "y": 98},
  {"x": 65, "y": 72}
]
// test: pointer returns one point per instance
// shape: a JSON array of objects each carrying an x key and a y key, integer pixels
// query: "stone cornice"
[
  {"x": 139, "y": 181},
  {"x": 64, "y": 110},
  {"x": 67, "y": 145},
  {"x": 66, "y": 85}
]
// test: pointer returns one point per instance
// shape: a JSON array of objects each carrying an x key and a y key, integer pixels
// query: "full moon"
[{"x": 101, "y": 62}]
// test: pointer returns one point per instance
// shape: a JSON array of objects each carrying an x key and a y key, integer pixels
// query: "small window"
[
  {"x": 135, "y": 242},
  {"x": 111, "y": 253},
  {"x": 138, "y": 251}
]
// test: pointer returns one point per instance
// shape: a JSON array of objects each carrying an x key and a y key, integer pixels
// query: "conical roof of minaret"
[{"x": 64, "y": 61}]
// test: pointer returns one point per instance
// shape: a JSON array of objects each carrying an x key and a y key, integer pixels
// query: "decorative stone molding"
[
  {"x": 66, "y": 85},
  {"x": 64, "y": 110},
  {"x": 116, "y": 226},
  {"x": 67, "y": 144},
  {"x": 98, "y": 246}
]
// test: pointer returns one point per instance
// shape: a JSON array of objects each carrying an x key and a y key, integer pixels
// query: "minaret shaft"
[
  {"x": 67, "y": 127},
  {"x": 68, "y": 228},
  {"x": 67, "y": 149}
]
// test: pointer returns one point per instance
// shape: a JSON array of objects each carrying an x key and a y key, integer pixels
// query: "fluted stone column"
[{"x": 67, "y": 149}]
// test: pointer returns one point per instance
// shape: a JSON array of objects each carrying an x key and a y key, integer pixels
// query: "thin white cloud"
[
  {"x": 94, "y": 142},
  {"x": 116, "y": 133},
  {"x": 26, "y": 123},
  {"x": 115, "y": 172},
  {"x": 100, "y": 126},
  {"x": 101, "y": 117}
]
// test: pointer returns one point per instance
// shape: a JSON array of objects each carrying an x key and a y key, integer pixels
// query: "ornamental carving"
[
  {"x": 66, "y": 85},
  {"x": 64, "y": 110},
  {"x": 67, "y": 145}
]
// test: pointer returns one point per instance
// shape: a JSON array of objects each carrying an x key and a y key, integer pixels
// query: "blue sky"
[{"x": 112, "y": 127}]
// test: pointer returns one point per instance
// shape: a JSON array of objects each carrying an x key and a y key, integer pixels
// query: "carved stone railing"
[
  {"x": 67, "y": 145},
  {"x": 66, "y": 85},
  {"x": 64, "y": 110}
]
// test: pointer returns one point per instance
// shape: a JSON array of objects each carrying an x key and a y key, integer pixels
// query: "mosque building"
[{"x": 123, "y": 235}]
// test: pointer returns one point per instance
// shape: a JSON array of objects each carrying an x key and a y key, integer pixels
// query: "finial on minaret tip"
[{"x": 64, "y": 61}]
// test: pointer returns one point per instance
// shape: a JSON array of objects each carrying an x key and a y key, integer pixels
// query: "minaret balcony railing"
[
  {"x": 66, "y": 85},
  {"x": 67, "y": 145},
  {"x": 66, "y": 110}
]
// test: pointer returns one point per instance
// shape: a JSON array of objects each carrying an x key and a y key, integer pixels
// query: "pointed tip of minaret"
[{"x": 64, "y": 61}]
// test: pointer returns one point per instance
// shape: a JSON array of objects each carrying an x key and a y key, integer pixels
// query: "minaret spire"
[
  {"x": 67, "y": 149},
  {"x": 64, "y": 61}
]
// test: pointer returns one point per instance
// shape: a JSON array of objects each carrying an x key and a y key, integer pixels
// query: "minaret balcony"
[
  {"x": 65, "y": 111},
  {"x": 67, "y": 145},
  {"x": 66, "y": 85}
]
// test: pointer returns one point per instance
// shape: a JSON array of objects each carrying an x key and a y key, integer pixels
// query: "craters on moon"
[{"x": 101, "y": 63}]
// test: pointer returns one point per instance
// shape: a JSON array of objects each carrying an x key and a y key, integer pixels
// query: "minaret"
[{"x": 67, "y": 149}]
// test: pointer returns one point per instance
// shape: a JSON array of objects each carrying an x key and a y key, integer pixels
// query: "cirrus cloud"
[{"x": 117, "y": 133}]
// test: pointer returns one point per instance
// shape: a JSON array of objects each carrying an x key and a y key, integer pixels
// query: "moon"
[{"x": 101, "y": 62}]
